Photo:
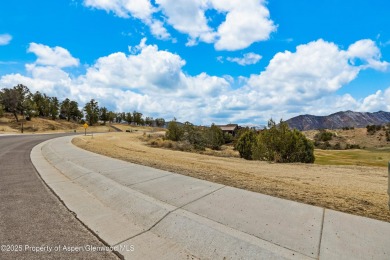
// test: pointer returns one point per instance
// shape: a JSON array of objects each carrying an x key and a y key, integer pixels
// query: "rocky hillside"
[{"x": 339, "y": 120}]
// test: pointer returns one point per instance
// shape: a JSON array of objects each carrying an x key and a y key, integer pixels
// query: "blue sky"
[{"x": 202, "y": 60}]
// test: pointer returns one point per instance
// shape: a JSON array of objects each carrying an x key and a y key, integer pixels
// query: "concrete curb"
[{"x": 169, "y": 216}]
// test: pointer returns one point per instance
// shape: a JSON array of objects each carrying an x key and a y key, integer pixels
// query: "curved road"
[{"x": 31, "y": 216}]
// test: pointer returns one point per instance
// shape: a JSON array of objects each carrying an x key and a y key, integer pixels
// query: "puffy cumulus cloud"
[
  {"x": 148, "y": 70},
  {"x": 153, "y": 81},
  {"x": 48, "y": 73},
  {"x": 56, "y": 57},
  {"x": 248, "y": 59},
  {"x": 60, "y": 88},
  {"x": 203, "y": 85},
  {"x": 246, "y": 22},
  {"x": 5, "y": 39},
  {"x": 328, "y": 104},
  {"x": 366, "y": 52},
  {"x": 377, "y": 101},
  {"x": 248, "y": 109},
  {"x": 158, "y": 30},
  {"x": 315, "y": 69},
  {"x": 188, "y": 16},
  {"x": 380, "y": 100}
]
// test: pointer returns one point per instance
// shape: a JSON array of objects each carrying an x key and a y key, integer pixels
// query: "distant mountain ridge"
[{"x": 339, "y": 120}]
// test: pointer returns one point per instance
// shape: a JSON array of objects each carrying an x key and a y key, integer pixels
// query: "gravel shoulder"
[{"x": 356, "y": 190}]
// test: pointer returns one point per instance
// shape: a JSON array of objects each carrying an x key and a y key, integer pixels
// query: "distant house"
[{"x": 229, "y": 128}]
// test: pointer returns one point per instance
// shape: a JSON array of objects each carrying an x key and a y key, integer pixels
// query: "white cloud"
[
  {"x": 203, "y": 86},
  {"x": 188, "y": 16},
  {"x": 5, "y": 39},
  {"x": 367, "y": 51},
  {"x": 245, "y": 23},
  {"x": 158, "y": 30},
  {"x": 50, "y": 86},
  {"x": 305, "y": 81},
  {"x": 57, "y": 56},
  {"x": 220, "y": 59},
  {"x": 315, "y": 69},
  {"x": 153, "y": 81},
  {"x": 329, "y": 104},
  {"x": 150, "y": 70},
  {"x": 248, "y": 59},
  {"x": 48, "y": 73},
  {"x": 141, "y": 9},
  {"x": 378, "y": 101}
]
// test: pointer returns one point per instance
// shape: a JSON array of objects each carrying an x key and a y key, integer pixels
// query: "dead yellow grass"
[
  {"x": 373, "y": 157},
  {"x": 141, "y": 129},
  {"x": 4, "y": 129},
  {"x": 353, "y": 189},
  {"x": 357, "y": 136},
  {"x": 8, "y": 124}
]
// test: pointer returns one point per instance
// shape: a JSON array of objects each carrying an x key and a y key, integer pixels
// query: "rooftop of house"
[{"x": 228, "y": 127}]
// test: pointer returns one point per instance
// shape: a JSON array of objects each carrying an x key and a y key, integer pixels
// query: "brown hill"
[{"x": 357, "y": 136}]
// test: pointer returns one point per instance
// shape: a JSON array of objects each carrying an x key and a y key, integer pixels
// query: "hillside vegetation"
[
  {"x": 356, "y": 136},
  {"x": 8, "y": 124}
]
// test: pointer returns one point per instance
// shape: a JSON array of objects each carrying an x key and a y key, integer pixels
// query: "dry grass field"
[
  {"x": 357, "y": 136},
  {"x": 359, "y": 190},
  {"x": 42, "y": 125},
  {"x": 352, "y": 181},
  {"x": 368, "y": 157}
]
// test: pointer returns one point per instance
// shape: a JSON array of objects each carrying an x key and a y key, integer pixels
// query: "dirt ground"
[{"x": 356, "y": 190}]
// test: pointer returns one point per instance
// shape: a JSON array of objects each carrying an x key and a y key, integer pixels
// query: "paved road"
[{"x": 31, "y": 215}]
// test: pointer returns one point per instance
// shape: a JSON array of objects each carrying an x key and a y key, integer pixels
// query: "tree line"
[
  {"x": 372, "y": 129},
  {"x": 277, "y": 143},
  {"x": 197, "y": 137},
  {"x": 20, "y": 101}
]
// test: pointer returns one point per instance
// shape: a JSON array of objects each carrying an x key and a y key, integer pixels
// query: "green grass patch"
[{"x": 372, "y": 157}]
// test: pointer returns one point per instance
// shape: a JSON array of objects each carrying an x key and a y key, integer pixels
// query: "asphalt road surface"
[{"x": 34, "y": 224}]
